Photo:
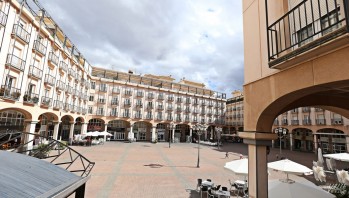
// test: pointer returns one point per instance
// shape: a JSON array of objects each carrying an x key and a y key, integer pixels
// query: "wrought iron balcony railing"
[
  {"x": 3, "y": 18},
  {"x": 31, "y": 97},
  {"x": 304, "y": 27},
  {"x": 53, "y": 58},
  {"x": 63, "y": 66},
  {"x": 50, "y": 80},
  {"x": 9, "y": 92},
  {"x": 35, "y": 72},
  {"x": 57, "y": 104},
  {"x": 15, "y": 62},
  {"x": 39, "y": 47},
  {"x": 21, "y": 33},
  {"x": 61, "y": 85},
  {"x": 46, "y": 101}
]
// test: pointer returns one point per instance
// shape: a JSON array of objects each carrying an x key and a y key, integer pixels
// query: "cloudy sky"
[{"x": 200, "y": 40}]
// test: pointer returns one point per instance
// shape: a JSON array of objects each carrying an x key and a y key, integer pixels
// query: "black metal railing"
[
  {"x": 63, "y": 66},
  {"x": 31, "y": 97},
  {"x": 21, "y": 33},
  {"x": 9, "y": 92},
  {"x": 48, "y": 149},
  {"x": 3, "y": 18},
  {"x": 35, "y": 71},
  {"x": 39, "y": 47},
  {"x": 60, "y": 85},
  {"x": 297, "y": 30},
  {"x": 53, "y": 58},
  {"x": 15, "y": 61},
  {"x": 50, "y": 79},
  {"x": 46, "y": 101},
  {"x": 57, "y": 104}
]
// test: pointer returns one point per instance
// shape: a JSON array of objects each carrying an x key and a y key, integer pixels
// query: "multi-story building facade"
[
  {"x": 296, "y": 55},
  {"x": 49, "y": 88},
  {"x": 234, "y": 117}
]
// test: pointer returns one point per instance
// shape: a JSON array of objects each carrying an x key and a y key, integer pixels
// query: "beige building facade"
[
  {"x": 296, "y": 55},
  {"x": 49, "y": 88},
  {"x": 234, "y": 116}
]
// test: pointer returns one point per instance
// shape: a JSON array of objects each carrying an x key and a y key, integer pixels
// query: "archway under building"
[
  {"x": 303, "y": 140},
  {"x": 79, "y": 121},
  {"x": 12, "y": 120},
  {"x": 45, "y": 126},
  {"x": 96, "y": 124},
  {"x": 182, "y": 133},
  {"x": 119, "y": 129},
  {"x": 331, "y": 140},
  {"x": 67, "y": 124},
  {"x": 161, "y": 128},
  {"x": 142, "y": 131}
]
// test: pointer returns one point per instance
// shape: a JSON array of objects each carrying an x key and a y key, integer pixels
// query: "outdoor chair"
[
  {"x": 217, "y": 187},
  {"x": 232, "y": 185},
  {"x": 224, "y": 188},
  {"x": 210, "y": 194},
  {"x": 203, "y": 189},
  {"x": 208, "y": 180},
  {"x": 198, "y": 186}
]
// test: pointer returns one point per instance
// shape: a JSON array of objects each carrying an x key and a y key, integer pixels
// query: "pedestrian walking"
[{"x": 226, "y": 155}]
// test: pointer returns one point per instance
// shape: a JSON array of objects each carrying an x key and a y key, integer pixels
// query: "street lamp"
[
  {"x": 199, "y": 130},
  {"x": 170, "y": 135},
  {"x": 218, "y": 132},
  {"x": 281, "y": 133}
]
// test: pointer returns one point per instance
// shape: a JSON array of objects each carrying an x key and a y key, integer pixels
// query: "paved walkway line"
[{"x": 108, "y": 185}]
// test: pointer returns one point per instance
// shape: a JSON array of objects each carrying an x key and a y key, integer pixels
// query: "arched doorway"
[
  {"x": 182, "y": 133},
  {"x": 331, "y": 140},
  {"x": 96, "y": 124},
  {"x": 64, "y": 127},
  {"x": 303, "y": 139},
  {"x": 11, "y": 120},
  {"x": 45, "y": 126},
  {"x": 142, "y": 131},
  {"x": 119, "y": 129},
  {"x": 161, "y": 132},
  {"x": 78, "y": 125}
]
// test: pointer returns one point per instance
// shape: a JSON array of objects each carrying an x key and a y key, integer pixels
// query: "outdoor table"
[
  {"x": 221, "y": 193},
  {"x": 207, "y": 183}
]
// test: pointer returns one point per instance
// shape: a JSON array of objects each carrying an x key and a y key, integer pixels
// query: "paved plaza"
[{"x": 143, "y": 169}]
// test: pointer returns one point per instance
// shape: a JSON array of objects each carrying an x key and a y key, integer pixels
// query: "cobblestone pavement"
[{"x": 143, "y": 169}]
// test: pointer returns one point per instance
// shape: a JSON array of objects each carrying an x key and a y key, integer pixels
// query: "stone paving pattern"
[{"x": 143, "y": 169}]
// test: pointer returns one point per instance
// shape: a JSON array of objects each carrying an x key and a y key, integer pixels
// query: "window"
[
  {"x": 91, "y": 98},
  {"x": 90, "y": 109},
  {"x": 31, "y": 89},
  {"x": 330, "y": 22},
  {"x": 93, "y": 85},
  {"x": 305, "y": 35},
  {"x": 10, "y": 81}
]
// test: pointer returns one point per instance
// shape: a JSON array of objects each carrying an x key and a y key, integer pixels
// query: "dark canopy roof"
[{"x": 24, "y": 176}]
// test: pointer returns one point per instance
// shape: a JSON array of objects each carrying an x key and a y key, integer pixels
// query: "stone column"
[
  {"x": 257, "y": 162},
  {"x": 205, "y": 135},
  {"x": 191, "y": 134},
  {"x": 153, "y": 136},
  {"x": 83, "y": 128},
  {"x": 347, "y": 143},
  {"x": 212, "y": 131},
  {"x": 173, "y": 133},
  {"x": 71, "y": 132},
  {"x": 29, "y": 138},
  {"x": 55, "y": 130},
  {"x": 291, "y": 141}
]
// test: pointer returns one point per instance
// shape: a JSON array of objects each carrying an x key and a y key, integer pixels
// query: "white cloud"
[{"x": 200, "y": 40}]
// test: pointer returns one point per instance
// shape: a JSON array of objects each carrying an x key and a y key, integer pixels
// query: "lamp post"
[
  {"x": 170, "y": 135},
  {"x": 218, "y": 132},
  {"x": 199, "y": 130},
  {"x": 281, "y": 133}
]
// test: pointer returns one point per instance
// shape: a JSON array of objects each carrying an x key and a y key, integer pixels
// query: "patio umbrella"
[
  {"x": 289, "y": 167},
  {"x": 320, "y": 158},
  {"x": 303, "y": 188},
  {"x": 105, "y": 133},
  {"x": 93, "y": 134},
  {"x": 338, "y": 156},
  {"x": 239, "y": 167}
]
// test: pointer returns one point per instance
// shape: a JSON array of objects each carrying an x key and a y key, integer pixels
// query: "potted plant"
[
  {"x": 26, "y": 97},
  {"x": 15, "y": 95},
  {"x": 35, "y": 99},
  {"x": 4, "y": 91}
]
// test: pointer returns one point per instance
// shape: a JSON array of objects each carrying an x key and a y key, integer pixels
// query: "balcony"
[
  {"x": 125, "y": 115},
  {"x": 66, "y": 106},
  {"x": 178, "y": 119},
  {"x": 60, "y": 85},
  {"x": 127, "y": 104},
  {"x": 71, "y": 73},
  {"x": 210, "y": 104},
  {"x": 114, "y": 102},
  {"x": 160, "y": 97},
  {"x": 169, "y": 109},
  {"x": 159, "y": 118},
  {"x": 284, "y": 123},
  {"x": 3, "y": 18},
  {"x": 150, "y": 96},
  {"x": 139, "y": 94},
  {"x": 196, "y": 103},
  {"x": 170, "y": 99},
  {"x": 306, "y": 109},
  {"x": 179, "y": 110},
  {"x": 202, "y": 112},
  {"x": 320, "y": 121},
  {"x": 195, "y": 111},
  {"x": 187, "y": 111},
  {"x": 101, "y": 100},
  {"x": 39, "y": 47},
  {"x": 15, "y": 62},
  {"x": 276, "y": 123},
  {"x": 57, "y": 104},
  {"x": 187, "y": 119},
  {"x": 115, "y": 90},
  {"x": 187, "y": 101},
  {"x": 139, "y": 105},
  {"x": 319, "y": 110},
  {"x": 195, "y": 120},
  {"x": 294, "y": 122},
  {"x": 138, "y": 116},
  {"x": 63, "y": 66},
  {"x": 30, "y": 98},
  {"x": 149, "y": 117},
  {"x": 35, "y": 72},
  {"x": 128, "y": 92},
  {"x": 306, "y": 122},
  {"x": 19, "y": 32},
  {"x": 303, "y": 29},
  {"x": 150, "y": 107},
  {"x": 102, "y": 89},
  {"x": 53, "y": 58},
  {"x": 203, "y": 103},
  {"x": 83, "y": 111},
  {"x": 69, "y": 89},
  {"x": 46, "y": 101},
  {"x": 160, "y": 108},
  {"x": 10, "y": 93},
  {"x": 179, "y": 100},
  {"x": 49, "y": 80},
  {"x": 337, "y": 121},
  {"x": 100, "y": 112},
  {"x": 75, "y": 92},
  {"x": 169, "y": 118},
  {"x": 113, "y": 113}
]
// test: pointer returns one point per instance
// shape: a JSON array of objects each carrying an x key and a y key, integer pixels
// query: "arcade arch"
[
  {"x": 119, "y": 129},
  {"x": 142, "y": 131}
]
